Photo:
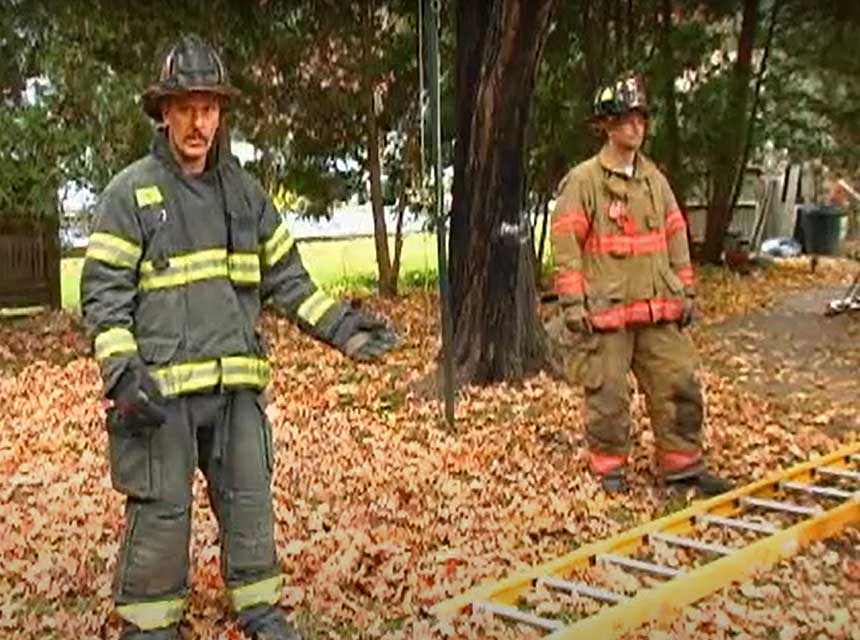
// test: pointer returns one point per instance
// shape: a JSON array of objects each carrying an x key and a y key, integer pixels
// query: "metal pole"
[{"x": 432, "y": 14}]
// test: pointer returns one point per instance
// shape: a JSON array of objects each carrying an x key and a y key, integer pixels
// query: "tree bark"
[
  {"x": 497, "y": 333},
  {"x": 387, "y": 279},
  {"x": 674, "y": 162},
  {"x": 732, "y": 129}
]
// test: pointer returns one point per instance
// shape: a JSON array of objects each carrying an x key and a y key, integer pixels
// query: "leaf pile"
[{"x": 380, "y": 513}]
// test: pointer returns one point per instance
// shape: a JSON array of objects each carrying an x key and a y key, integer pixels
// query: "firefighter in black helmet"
[
  {"x": 186, "y": 248},
  {"x": 627, "y": 289}
]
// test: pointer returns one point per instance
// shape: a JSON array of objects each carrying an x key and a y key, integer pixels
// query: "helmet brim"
[{"x": 152, "y": 97}]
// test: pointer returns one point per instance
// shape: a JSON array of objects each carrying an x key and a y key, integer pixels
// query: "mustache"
[{"x": 195, "y": 136}]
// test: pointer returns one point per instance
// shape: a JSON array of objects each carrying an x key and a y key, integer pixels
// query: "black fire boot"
[
  {"x": 266, "y": 622},
  {"x": 131, "y": 632},
  {"x": 700, "y": 479},
  {"x": 614, "y": 482}
]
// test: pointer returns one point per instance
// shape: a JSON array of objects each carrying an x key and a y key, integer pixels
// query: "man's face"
[
  {"x": 192, "y": 120},
  {"x": 628, "y": 131}
]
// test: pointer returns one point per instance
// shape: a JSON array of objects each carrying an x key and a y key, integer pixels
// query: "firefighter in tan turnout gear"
[
  {"x": 625, "y": 285},
  {"x": 186, "y": 248}
]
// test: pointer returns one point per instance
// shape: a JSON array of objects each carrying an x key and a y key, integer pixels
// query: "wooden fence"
[{"x": 29, "y": 263}]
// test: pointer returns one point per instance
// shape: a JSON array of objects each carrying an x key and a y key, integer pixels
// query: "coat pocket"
[
  {"x": 133, "y": 465},
  {"x": 673, "y": 282},
  {"x": 590, "y": 373}
]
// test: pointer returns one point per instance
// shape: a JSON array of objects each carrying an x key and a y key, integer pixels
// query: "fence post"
[{"x": 51, "y": 229}]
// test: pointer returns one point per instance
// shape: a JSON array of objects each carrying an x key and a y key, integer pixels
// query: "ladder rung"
[
  {"x": 632, "y": 563},
  {"x": 690, "y": 543},
  {"x": 836, "y": 472},
  {"x": 777, "y": 505},
  {"x": 812, "y": 489},
  {"x": 512, "y": 613},
  {"x": 581, "y": 588},
  {"x": 735, "y": 523}
]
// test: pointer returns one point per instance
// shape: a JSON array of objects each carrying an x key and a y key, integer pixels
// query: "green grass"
[{"x": 334, "y": 264}]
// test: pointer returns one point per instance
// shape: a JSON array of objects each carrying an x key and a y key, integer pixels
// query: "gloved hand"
[
  {"x": 368, "y": 336},
  {"x": 576, "y": 320},
  {"x": 687, "y": 313},
  {"x": 137, "y": 398}
]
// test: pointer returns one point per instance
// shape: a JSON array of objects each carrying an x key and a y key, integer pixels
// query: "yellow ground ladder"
[{"x": 773, "y": 518}]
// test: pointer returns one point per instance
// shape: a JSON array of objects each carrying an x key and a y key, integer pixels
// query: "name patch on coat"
[{"x": 146, "y": 196}]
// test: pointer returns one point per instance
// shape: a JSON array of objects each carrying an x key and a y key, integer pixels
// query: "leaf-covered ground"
[{"x": 380, "y": 513}]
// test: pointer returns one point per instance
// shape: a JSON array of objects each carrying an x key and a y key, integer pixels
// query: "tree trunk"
[
  {"x": 398, "y": 230},
  {"x": 497, "y": 332},
  {"x": 732, "y": 128},
  {"x": 753, "y": 112},
  {"x": 674, "y": 163},
  {"x": 387, "y": 280}
]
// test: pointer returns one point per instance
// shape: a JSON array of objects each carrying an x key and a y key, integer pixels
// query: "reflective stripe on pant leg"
[
  {"x": 608, "y": 405},
  {"x": 665, "y": 362},
  {"x": 240, "y": 479},
  {"x": 266, "y": 591},
  {"x": 153, "y": 615},
  {"x": 605, "y": 463}
]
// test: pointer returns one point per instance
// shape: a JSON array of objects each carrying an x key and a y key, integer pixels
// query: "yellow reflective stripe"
[
  {"x": 244, "y": 267},
  {"x": 314, "y": 308},
  {"x": 185, "y": 269},
  {"x": 242, "y": 370},
  {"x": 113, "y": 250},
  {"x": 177, "y": 379},
  {"x": 148, "y": 195},
  {"x": 152, "y": 615},
  {"x": 114, "y": 341},
  {"x": 266, "y": 591},
  {"x": 277, "y": 246},
  {"x": 231, "y": 371}
]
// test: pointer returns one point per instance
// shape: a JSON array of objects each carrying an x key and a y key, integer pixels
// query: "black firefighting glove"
[
  {"x": 137, "y": 398},
  {"x": 576, "y": 320},
  {"x": 688, "y": 313},
  {"x": 363, "y": 336}
]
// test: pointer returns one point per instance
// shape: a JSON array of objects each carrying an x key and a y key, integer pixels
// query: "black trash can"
[{"x": 820, "y": 227}]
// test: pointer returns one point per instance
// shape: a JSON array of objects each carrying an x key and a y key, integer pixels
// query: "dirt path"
[{"x": 794, "y": 356}]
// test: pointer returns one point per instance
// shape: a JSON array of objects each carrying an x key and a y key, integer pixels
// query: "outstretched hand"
[{"x": 370, "y": 339}]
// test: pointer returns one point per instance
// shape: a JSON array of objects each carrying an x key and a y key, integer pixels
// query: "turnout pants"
[
  {"x": 229, "y": 439},
  {"x": 663, "y": 359}
]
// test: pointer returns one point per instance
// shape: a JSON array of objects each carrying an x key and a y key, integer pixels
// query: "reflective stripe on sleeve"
[
  {"x": 113, "y": 250},
  {"x": 114, "y": 341}
]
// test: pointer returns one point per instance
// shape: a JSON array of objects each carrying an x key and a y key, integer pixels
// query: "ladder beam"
[
  {"x": 736, "y": 523},
  {"x": 512, "y": 613},
  {"x": 815, "y": 490},
  {"x": 604, "y": 595},
  {"x": 641, "y": 565},
  {"x": 690, "y": 543},
  {"x": 836, "y": 472},
  {"x": 778, "y": 505}
]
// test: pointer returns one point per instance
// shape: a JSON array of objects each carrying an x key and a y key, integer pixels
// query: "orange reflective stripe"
[
  {"x": 675, "y": 222},
  {"x": 685, "y": 274},
  {"x": 603, "y": 463},
  {"x": 641, "y": 312},
  {"x": 638, "y": 244},
  {"x": 569, "y": 222},
  {"x": 674, "y": 461},
  {"x": 569, "y": 282}
]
